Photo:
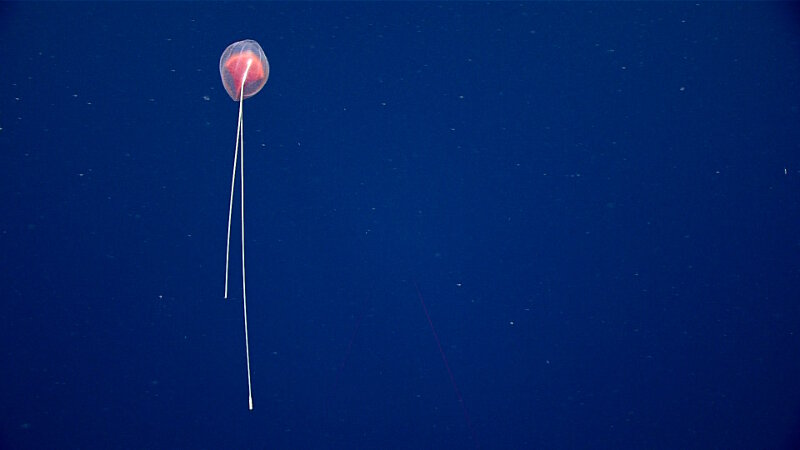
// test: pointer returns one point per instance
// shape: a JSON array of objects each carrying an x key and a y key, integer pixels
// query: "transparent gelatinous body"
[{"x": 243, "y": 61}]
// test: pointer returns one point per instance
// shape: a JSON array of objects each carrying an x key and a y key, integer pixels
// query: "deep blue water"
[{"x": 599, "y": 204}]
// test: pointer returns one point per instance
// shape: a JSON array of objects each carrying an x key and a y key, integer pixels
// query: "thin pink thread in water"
[{"x": 447, "y": 366}]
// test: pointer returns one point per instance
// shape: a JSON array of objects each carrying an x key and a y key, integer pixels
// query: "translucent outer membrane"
[{"x": 233, "y": 68}]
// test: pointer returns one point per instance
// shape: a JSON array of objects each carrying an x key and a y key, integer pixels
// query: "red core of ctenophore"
[{"x": 236, "y": 65}]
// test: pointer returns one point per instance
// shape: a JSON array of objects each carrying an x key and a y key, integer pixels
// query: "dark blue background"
[{"x": 598, "y": 202}]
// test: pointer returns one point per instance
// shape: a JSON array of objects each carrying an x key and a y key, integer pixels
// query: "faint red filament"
[{"x": 447, "y": 366}]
